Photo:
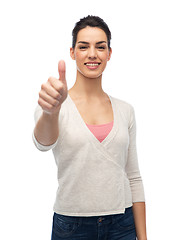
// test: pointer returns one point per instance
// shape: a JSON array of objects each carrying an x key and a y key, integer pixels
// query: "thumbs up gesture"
[{"x": 54, "y": 92}]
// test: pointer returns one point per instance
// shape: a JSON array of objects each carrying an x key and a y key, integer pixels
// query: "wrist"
[{"x": 49, "y": 115}]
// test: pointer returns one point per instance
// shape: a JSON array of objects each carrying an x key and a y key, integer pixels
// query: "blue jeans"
[{"x": 106, "y": 227}]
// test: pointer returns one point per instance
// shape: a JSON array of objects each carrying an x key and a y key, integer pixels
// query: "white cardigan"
[{"x": 95, "y": 178}]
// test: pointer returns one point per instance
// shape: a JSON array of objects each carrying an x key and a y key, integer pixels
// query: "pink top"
[{"x": 100, "y": 131}]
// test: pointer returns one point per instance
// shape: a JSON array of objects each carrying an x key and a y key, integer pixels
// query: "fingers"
[
  {"x": 47, "y": 98},
  {"x": 48, "y": 108},
  {"x": 62, "y": 71},
  {"x": 45, "y": 105},
  {"x": 54, "y": 91},
  {"x": 52, "y": 88}
]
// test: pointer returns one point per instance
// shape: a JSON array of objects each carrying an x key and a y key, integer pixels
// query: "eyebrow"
[{"x": 88, "y": 42}]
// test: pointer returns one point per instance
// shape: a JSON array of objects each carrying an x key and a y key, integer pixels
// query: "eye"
[
  {"x": 83, "y": 47},
  {"x": 101, "y": 47}
]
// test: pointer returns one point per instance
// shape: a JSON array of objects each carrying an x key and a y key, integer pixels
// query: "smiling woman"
[
  {"x": 93, "y": 138},
  {"x": 91, "y": 52},
  {"x": 98, "y": 46}
]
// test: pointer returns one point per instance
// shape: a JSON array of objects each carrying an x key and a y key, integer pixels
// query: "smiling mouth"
[{"x": 92, "y": 64}]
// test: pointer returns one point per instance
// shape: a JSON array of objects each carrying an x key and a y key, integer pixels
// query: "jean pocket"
[
  {"x": 63, "y": 227},
  {"x": 126, "y": 221}
]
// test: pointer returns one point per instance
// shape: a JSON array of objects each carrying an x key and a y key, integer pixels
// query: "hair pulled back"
[{"x": 91, "y": 21}]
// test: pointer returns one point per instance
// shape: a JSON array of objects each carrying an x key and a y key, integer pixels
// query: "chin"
[
  {"x": 91, "y": 75},
  {"x": 94, "y": 76}
]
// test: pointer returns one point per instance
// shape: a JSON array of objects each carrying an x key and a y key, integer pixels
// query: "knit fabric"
[{"x": 95, "y": 177}]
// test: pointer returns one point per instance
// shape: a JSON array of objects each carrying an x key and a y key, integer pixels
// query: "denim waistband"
[{"x": 94, "y": 219}]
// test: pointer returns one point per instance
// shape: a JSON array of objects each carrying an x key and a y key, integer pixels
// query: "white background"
[{"x": 35, "y": 35}]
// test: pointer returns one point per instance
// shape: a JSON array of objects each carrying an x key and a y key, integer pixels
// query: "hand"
[{"x": 54, "y": 92}]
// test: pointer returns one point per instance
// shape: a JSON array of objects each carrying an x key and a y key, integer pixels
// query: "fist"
[{"x": 54, "y": 92}]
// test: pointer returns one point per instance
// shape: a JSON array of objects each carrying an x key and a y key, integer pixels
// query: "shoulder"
[
  {"x": 122, "y": 104},
  {"x": 125, "y": 109}
]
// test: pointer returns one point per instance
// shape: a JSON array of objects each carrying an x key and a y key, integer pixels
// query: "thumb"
[{"x": 62, "y": 70}]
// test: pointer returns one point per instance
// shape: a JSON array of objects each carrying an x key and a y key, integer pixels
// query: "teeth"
[{"x": 92, "y": 64}]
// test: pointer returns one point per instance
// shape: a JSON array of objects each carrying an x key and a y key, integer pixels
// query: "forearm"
[
  {"x": 139, "y": 211},
  {"x": 46, "y": 130}
]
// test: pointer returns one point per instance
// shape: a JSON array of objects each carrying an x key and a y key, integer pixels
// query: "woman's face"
[{"x": 91, "y": 52}]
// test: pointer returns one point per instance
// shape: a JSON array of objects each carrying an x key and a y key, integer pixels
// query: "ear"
[
  {"x": 72, "y": 53},
  {"x": 110, "y": 53}
]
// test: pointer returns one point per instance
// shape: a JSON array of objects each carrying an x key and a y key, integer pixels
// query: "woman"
[{"x": 92, "y": 135}]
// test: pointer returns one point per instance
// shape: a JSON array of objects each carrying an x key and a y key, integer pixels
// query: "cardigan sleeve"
[
  {"x": 132, "y": 167},
  {"x": 39, "y": 146}
]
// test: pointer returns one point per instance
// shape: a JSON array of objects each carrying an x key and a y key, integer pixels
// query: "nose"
[{"x": 92, "y": 53}]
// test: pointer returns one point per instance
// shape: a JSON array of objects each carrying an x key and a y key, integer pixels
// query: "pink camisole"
[{"x": 100, "y": 131}]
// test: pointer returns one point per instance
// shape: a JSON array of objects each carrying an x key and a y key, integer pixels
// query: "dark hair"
[{"x": 92, "y": 21}]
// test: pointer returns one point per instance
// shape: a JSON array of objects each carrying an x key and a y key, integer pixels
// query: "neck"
[{"x": 88, "y": 87}]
